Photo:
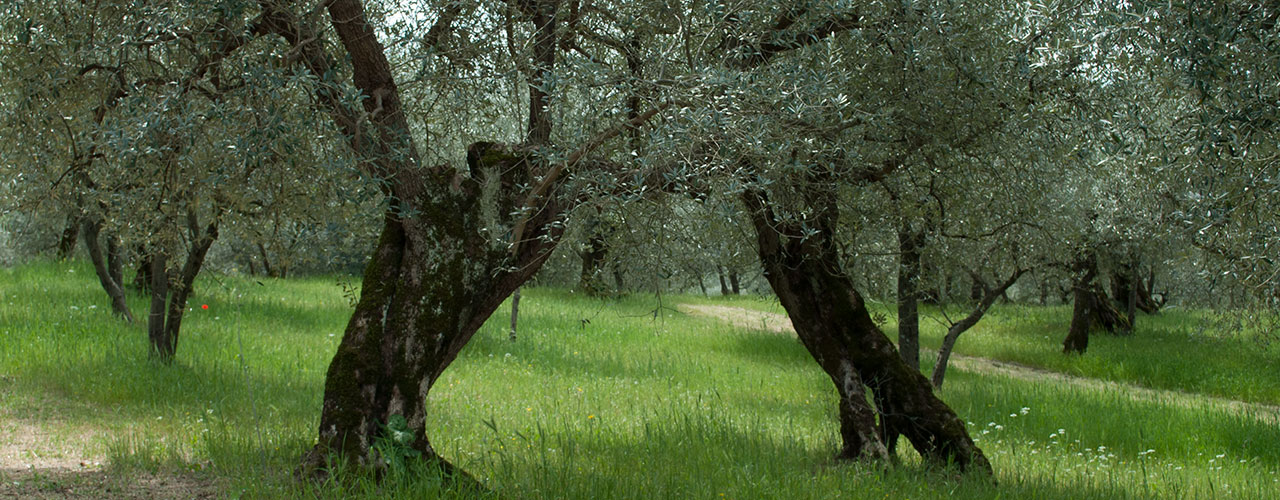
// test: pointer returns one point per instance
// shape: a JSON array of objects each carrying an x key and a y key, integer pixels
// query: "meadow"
[{"x": 620, "y": 398}]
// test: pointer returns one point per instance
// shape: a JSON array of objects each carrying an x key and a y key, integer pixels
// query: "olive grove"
[{"x": 973, "y": 142}]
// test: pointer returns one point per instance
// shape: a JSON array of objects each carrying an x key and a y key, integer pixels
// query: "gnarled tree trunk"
[
  {"x": 429, "y": 286},
  {"x": 801, "y": 262},
  {"x": 1082, "y": 313}
]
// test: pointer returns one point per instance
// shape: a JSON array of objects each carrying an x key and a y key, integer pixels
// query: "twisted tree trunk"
[
  {"x": 801, "y": 263},
  {"x": 1082, "y": 313},
  {"x": 429, "y": 286}
]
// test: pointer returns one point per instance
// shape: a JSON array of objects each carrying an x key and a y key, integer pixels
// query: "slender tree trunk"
[
  {"x": 1131, "y": 298},
  {"x": 989, "y": 296},
  {"x": 724, "y": 285},
  {"x": 170, "y": 293},
  {"x": 160, "y": 343},
  {"x": 618, "y": 278},
  {"x": 734, "y": 283},
  {"x": 271, "y": 271},
  {"x": 702, "y": 285},
  {"x": 115, "y": 261},
  {"x": 909, "y": 245},
  {"x": 801, "y": 263},
  {"x": 102, "y": 266},
  {"x": 593, "y": 259},
  {"x": 70, "y": 235},
  {"x": 1044, "y": 292},
  {"x": 142, "y": 279},
  {"x": 515, "y": 312}
]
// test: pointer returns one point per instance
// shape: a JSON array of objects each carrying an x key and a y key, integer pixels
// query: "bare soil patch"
[
  {"x": 779, "y": 323},
  {"x": 53, "y": 459},
  {"x": 95, "y": 483}
]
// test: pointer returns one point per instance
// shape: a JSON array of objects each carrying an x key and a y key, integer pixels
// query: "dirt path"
[
  {"x": 779, "y": 323},
  {"x": 51, "y": 459}
]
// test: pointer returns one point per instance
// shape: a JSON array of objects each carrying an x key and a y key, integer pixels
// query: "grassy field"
[{"x": 606, "y": 399}]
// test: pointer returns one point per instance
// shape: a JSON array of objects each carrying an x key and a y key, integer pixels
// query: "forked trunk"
[
  {"x": 170, "y": 293},
  {"x": 988, "y": 297},
  {"x": 801, "y": 263},
  {"x": 431, "y": 283},
  {"x": 107, "y": 268}
]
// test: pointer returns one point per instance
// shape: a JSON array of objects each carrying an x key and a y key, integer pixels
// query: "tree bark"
[
  {"x": 593, "y": 260},
  {"x": 515, "y": 312},
  {"x": 169, "y": 294},
  {"x": 989, "y": 296},
  {"x": 271, "y": 271},
  {"x": 1131, "y": 298},
  {"x": 1128, "y": 281},
  {"x": 1082, "y": 314},
  {"x": 909, "y": 244},
  {"x": 734, "y": 282},
  {"x": 70, "y": 235},
  {"x": 724, "y": 285},
  {"x": 115, "y": 261},
  {"x": 161, "y": 345},
  {"x": 800, "y": 261},
  {"x": 619, "y": 282},
  {"x": 102, "y": 266},
  {"x": 142, "y": 279}
]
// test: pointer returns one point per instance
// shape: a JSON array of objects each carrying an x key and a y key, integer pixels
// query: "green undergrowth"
[{"x": 621, "y": 398}]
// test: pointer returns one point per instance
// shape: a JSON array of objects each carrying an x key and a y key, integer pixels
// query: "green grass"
[
  {"x": 1176, "y": 349},
  {"x": 598, "y": 399}
]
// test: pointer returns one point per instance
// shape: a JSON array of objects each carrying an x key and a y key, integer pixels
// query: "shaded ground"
[{"x": 779, "y": 323}]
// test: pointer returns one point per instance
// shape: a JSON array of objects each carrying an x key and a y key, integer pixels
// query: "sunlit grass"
[
  {"x": 600, "y": 399},
  {"x": 1176, "y": 349}
]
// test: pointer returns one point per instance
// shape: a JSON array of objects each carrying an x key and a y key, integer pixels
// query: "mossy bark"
[
  {"x": 431, "y": 283},
  {"x": 801, "y": 262}
]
